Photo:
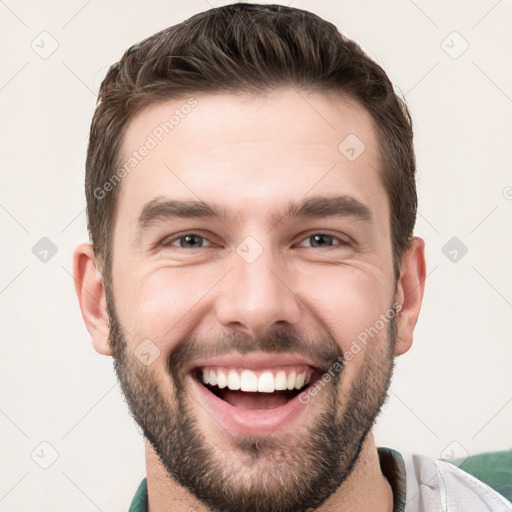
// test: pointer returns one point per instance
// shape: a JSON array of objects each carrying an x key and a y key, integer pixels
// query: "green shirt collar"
[{"x": 140, "y": 500}]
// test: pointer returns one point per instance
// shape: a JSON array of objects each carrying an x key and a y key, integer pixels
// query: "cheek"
[
  {"x": 167, "y": 305},
  {"x": 347, "y": 300},
  {"x": 162, "y": 305}
]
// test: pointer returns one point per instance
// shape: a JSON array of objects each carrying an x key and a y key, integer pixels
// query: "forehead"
[{"x": 250, "y": 152}]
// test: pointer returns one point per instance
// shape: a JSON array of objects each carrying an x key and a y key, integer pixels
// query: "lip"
[
  {"x": 247, "y": 422},
  {"x": 253, "y": 361}
]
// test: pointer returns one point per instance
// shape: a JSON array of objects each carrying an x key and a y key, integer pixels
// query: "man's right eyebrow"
[{"x": 159, "y": 209}]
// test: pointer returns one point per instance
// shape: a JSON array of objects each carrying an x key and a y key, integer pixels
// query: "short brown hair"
[{"x": 247, "y": 48}]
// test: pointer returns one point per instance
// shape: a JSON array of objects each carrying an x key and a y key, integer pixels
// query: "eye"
[
  {"x": 196, "y": 241},
  {"x": 319, "y": 240},
  {"x": 186, "y": 241}
]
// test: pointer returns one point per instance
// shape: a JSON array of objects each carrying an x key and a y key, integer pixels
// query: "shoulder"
[{"x": 439, "y": 486}]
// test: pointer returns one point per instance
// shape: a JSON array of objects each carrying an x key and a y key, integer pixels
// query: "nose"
[{"x": 257, "y": 295}]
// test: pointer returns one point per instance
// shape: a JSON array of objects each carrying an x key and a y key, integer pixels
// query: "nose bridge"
[{"x": 256, "y": 294}]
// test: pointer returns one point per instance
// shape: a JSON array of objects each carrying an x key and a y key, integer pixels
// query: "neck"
[{"x": 365, "y": 489}]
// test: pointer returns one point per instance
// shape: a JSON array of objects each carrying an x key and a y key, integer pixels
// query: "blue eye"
[
  {"x": 188, "y": 241},
  {"x": 194, "y": 241},
  {"x": 319, "y": 240}
]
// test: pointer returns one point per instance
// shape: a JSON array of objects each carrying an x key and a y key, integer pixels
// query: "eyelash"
[{"x": 169, "y": 242}]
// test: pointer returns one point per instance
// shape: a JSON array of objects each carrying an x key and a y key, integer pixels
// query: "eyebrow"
[{"x": 161, "y": 209}]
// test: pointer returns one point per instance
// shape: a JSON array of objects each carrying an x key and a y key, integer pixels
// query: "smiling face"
[{"x": 251, "y": 251}]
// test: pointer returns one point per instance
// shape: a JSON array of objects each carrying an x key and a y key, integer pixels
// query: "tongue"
[{"x": 255, "y": 401}]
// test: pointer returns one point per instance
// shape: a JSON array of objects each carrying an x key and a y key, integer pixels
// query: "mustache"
[{"x": 322, "y": 352}]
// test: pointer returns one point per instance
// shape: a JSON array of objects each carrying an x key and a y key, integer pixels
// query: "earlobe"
[
  {"x": 91, "y": 296},
  {"x": 409, "y": 294}
]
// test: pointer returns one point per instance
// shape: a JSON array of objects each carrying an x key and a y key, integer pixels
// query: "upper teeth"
[{"x": 266, "y": 381}]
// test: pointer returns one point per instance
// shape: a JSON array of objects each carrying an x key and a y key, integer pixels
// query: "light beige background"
[{"x": 451, "y": 393}]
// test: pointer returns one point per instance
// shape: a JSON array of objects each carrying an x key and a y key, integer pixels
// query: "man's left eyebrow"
[{"x": 316, "y": 207}]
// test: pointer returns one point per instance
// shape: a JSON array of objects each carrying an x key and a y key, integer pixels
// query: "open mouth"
[{"x": 259, "y": 390}]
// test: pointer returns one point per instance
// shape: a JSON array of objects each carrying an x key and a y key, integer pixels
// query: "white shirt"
[{"x": 436, "y": 486}]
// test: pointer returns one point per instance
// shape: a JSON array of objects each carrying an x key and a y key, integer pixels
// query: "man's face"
[{"x": 255, "y": 297}]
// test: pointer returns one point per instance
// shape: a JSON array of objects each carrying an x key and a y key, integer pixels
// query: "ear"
[
  {"x": 91, "y": 296},
  {"x": 409, "y": 293}
]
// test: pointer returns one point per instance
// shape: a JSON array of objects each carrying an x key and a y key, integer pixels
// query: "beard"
[{"x": 268, "y": 473}]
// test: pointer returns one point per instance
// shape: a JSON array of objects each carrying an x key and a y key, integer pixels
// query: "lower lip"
[{"x": 243, "y": 421}]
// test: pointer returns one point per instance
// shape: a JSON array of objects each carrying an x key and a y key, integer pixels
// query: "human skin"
[{"x": 253, "y": 154}]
